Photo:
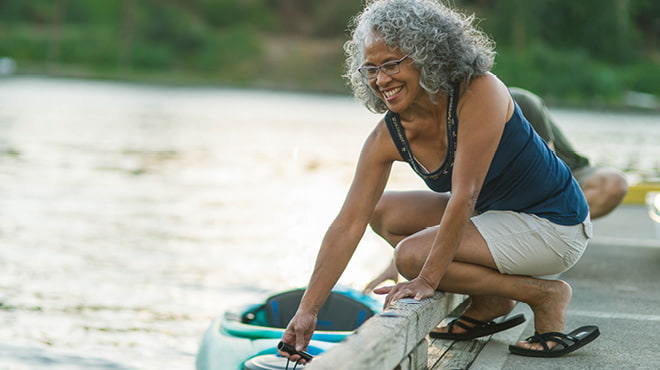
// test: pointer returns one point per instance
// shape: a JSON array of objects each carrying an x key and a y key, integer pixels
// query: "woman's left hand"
[{"x": 417, "y": 288}]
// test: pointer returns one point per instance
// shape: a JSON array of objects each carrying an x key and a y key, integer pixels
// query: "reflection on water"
[
  {"x": 625, "y": 140},
  {"x": 130, "y": 216}
]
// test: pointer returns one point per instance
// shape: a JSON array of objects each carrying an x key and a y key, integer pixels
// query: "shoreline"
[{"x": 165, "y": 80}]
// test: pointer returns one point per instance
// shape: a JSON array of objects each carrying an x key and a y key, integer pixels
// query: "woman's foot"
[
  {"x": 481, "y": 308},
  {"x": 549, "y": 310}
]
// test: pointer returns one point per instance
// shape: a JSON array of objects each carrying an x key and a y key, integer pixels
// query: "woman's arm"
[
  {"x": 484, "y": 108},
  {"x": 344, "y": 233}
]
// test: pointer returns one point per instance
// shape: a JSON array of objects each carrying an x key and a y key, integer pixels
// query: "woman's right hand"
[{"x": 298, "y": 333}]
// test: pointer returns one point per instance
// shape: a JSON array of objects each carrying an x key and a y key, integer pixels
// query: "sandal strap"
[
  {"x": 450, "y": 327},
  {"x": 472, "y": 321},
  {"x": 537, "y": 338},
  {"x": 553, "y": 336},
  {"x": 457, "y": 322}
]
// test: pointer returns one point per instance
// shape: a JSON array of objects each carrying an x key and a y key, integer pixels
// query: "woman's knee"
[
  {"x": 617, "y": 186},
  {"x": 605, "y": 190},
  {"x": 609, "y": 182},
  {"x": 409, "y": 258}
]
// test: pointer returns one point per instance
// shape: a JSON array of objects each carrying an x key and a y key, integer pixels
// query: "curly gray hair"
[{"x": 442, "y": 43}]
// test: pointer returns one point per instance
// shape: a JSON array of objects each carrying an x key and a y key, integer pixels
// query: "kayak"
[{"x": 255, "y": 330}]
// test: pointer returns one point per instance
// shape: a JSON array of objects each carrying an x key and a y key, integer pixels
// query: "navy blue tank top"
[{"x": 524, "y": 176}]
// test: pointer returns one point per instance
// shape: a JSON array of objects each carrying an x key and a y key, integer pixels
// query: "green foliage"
[
  {"x": 601, "y": 27},
  {"x": 331, "y": 18},
  {"x": 643, "y": 77},
  {"x": 574, "y": 76},
  {"x": 171, "y": 29},
  {"x": 588, "y": 50},
  {"x": 37, "y": 11},
  {"x": 26, "y": 43},
  {"x": 227, "y": 13},
  {"x": 604, "y": 29},
  {"x": 568, "y": 74},
  {"x": 96, "y": 12},
  {"x": 87, "y": 46},
  {"x": 235, "y": 54}
]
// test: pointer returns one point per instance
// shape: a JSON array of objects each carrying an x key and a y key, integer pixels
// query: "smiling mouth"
[{"x": 390, "y": 93}]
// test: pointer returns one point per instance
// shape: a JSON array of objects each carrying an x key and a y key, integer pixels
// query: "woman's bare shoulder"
[
  {"x": 380, "y": 144},
  {"x": 487, "y": 84},
  {"x": 485, "y": 91}
]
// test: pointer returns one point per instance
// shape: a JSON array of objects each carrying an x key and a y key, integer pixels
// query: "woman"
[{"x": 503, "y": 207}]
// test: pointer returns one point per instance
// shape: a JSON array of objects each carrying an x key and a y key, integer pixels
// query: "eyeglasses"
[{"x": 390, "y": 68}]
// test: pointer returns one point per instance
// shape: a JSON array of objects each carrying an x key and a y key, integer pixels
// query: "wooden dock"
[{"x": 397, "y": 338}]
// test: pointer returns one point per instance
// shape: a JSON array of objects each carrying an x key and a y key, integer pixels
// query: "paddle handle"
[{"x": 292, "y": 351}]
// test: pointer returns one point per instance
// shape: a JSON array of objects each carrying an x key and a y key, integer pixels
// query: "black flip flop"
[
  {"x": 566, "y": 343},
  {"x": 480, "y": 328}
]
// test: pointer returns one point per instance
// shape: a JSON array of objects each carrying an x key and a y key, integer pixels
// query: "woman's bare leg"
[
  {"x": 401, "y": 214},
  {"x": 548, "y": 299},
  {"x": 473, "y": 273}
]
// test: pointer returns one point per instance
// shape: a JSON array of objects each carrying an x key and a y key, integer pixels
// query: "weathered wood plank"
[
  {"x": 417, "y": 358},
  {"x": 457, "y": 355},
  {"x": 437, "y": 349},
  {"x": 449, "y": 354},
  {"x": 386, "y": 340}
]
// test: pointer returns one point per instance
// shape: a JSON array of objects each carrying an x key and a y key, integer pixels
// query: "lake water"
[{"x": 131, "y": 216}]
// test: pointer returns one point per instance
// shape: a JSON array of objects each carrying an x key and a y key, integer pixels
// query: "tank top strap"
[
  {"x": 452, "y": 124},
  {"x": 398, "y": 135},
  {"x": 393, "y": 123}
]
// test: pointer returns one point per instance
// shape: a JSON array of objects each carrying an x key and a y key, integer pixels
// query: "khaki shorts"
[{"x": 525, "y": 244}]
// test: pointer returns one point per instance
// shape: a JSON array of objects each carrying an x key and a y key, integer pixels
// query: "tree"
[{"x": 54, "y": 45}]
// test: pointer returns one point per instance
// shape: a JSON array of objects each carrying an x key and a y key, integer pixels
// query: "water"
[{"x": 131, "y": 216}]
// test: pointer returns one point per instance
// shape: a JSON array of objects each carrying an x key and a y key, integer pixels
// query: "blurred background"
[
  {"x": 164, "y": 161},
  {"x": 596, "y": 52}
]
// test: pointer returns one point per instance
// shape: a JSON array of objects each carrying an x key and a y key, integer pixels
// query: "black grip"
[{"x": 292, "y": 351}]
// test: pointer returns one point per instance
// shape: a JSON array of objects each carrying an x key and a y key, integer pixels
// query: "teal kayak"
[{"x": 255, "y": 330}]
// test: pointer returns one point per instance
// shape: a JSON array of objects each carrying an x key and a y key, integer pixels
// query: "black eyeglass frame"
[{"x": 371, "y": 72}]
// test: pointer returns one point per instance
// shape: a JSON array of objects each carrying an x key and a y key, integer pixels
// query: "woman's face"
[{"x": 400, "y": 90}]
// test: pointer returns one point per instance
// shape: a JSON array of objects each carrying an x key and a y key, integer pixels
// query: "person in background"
[
  {"x": 502, "y": 207},
  {"x": 603, "y": 187}
]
